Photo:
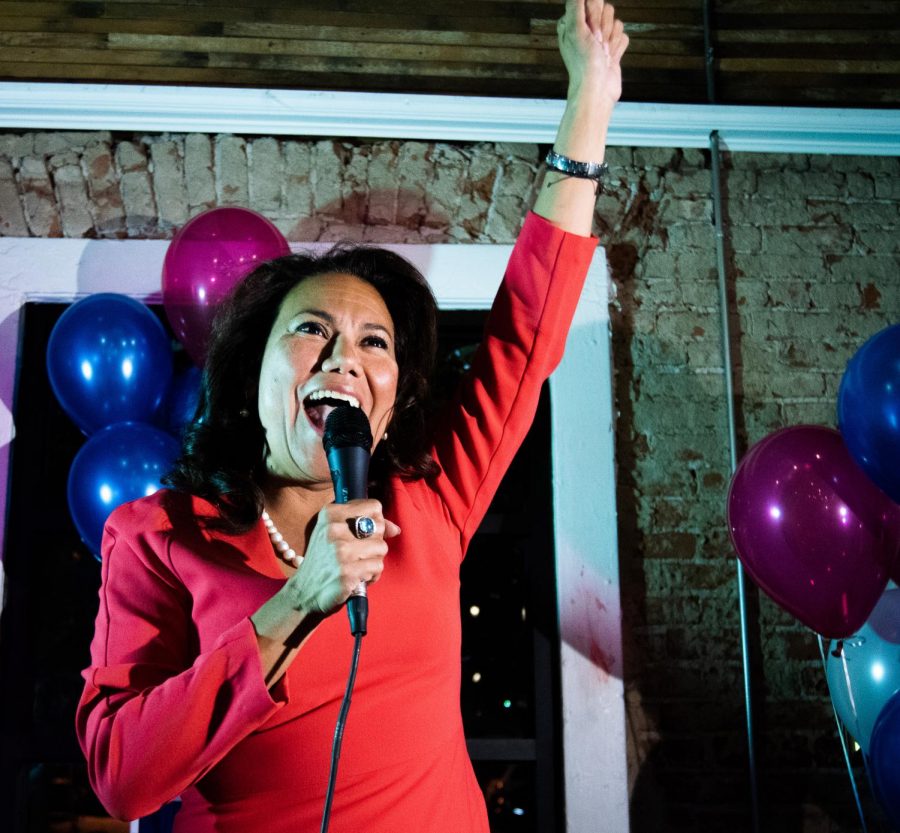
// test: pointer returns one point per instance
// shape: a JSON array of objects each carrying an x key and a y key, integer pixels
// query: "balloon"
[
  {"x": 109, "y": 360},
  {"x": 869, "y": 409},
  {"x": 812, "y": 530},
  {"x": 883, "y": 757},
  {"x": 181, "y": 401},
  {"x": 121, "y": 462},
  {"x": 204, "y": 261},
  {"x": 863, "y": 670}
]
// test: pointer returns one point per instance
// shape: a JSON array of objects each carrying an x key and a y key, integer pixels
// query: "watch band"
[{"x": 582, "y": 170}]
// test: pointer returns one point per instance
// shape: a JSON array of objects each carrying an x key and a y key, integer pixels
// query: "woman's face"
[{"x": 332, "y": 342}]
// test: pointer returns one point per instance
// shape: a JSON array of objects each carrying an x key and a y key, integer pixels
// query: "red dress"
[{"x": 174, "y": 701}]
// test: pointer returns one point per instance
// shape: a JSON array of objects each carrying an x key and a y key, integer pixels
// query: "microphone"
[{"x": 348, "y": 442}]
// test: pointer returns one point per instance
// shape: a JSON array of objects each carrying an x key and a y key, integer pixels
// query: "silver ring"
[{"x": 363, "y": 527}]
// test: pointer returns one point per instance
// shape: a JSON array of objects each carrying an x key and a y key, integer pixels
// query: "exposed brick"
[
  {"x": 654, "y": 157},
  {"x": 382, "y": 184},
  {"x": 12, "y": 217},
  {"x": 266, "y": 175},
  {"x": 739, "y": 184},
  {"x": 199, "y": 177},
  {"x": 887, "y": 186},
  {"x": 861, "y": 185},
  {"x": 136, "y": 189},
  {"x": 744, "y": 239},
  {"x": 620, "y": 157},
  {"x": 338, "y": 232},
  {"x": 413, "y": 165},
  {"x": 301, "y": 230},
  {"x": 689, "y": 184},
  {"x": 103, "y": 188},
  {"x": 670, "y": 545},
  {"x": 168, "y": 183},
  {"x": 47, "y": 144},
  {"x": 13, "y": 146},
  {"x": 327, "y": 166},
  {"x": 72, "y": 198},
  {"x": 130, "y": 156},
  {"x": 384, "y": 235},
  {"x": 691, "y": 236},
  {"x": 857, "y": 213},
  {"x": 232, "y": 181},
  {"x": 443, "y": 193},
  {"x": 38, "y": 198},
  {"x": 759, "y": 211},
  {"x": 879, "y": 241},
  {"x": 518, "y": 150},
  {"x": 484, "y": 174},
  {"x": 354, "y": 185},
  {"x": 673, "y": 210},
  {"x": 808, "y": 240},
  {"x": 298, "y": 185}
]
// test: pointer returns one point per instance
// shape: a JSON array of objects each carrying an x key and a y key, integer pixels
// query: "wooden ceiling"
[{"x": 792, "y": 52}]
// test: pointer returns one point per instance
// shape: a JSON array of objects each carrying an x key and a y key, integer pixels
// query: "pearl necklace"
[{"x": 282, "y": 548}]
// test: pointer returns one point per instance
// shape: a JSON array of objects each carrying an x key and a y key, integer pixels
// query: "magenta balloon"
[
  {"x": 204, "y": 261},
  {"x": 812, "y": 529}
]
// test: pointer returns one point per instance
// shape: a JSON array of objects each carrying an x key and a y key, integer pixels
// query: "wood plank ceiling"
[{"x": 793, "y": 52}]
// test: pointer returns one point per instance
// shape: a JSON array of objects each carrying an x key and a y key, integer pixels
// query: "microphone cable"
[
  {"x": 339, "y": 732},
  {"x": 347, "y": 441}
]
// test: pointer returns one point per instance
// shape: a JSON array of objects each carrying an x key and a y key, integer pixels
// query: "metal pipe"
[{"x": 728, "y": 373}]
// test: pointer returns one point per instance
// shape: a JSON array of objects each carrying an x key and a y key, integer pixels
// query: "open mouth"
[{"x": 320, "y": 403}]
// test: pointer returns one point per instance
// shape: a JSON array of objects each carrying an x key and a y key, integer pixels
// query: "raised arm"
[{"x": 592, "y": 42}]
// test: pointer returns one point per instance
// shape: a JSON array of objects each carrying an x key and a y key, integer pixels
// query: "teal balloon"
[
  {"x": 109, "y": 360},
  {"x": 869, "y": 409},
  {"x": 863, "y": 670},
  {"x": 117, "y": 464}
]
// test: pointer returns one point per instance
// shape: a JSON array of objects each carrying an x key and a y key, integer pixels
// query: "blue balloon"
[
  {"x": 181, "y": 401},
  {"x": 869, "y": 409},
  {"x": 109, "y": 360},
  {"x": 884, "y": 754},
  {"x": 119, "y": 463}
]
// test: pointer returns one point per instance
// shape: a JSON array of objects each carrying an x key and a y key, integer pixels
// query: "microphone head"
[{"x": 347, "y": 427}]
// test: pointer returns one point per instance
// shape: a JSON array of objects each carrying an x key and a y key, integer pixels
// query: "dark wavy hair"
[{"x": 224, "y": 447}]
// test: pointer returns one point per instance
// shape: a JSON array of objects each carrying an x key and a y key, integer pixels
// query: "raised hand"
[{"x": 592, "y": 42}]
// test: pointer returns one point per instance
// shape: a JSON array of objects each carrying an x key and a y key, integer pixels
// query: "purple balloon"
[
  {"x": 204, "y": 261},
  {"x": 812, "y": 529}
]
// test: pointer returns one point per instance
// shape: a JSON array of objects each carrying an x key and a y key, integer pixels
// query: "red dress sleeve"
[
  {"x": 524, "y": 341},
  {"x": 154, "y": 715}
]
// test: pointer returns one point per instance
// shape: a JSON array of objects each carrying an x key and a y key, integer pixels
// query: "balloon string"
[
  {"x": 843, "y": 739},
  {"x": 849, "y": 686}
]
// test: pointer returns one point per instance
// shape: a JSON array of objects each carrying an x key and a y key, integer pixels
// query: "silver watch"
[{"x": 582, "y": 170}]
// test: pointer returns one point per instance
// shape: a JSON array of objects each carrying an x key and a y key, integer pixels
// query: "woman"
[{"x": 218, "y": 663}]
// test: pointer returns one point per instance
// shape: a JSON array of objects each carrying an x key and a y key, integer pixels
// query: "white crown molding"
[{"x": 39, "y": 106}]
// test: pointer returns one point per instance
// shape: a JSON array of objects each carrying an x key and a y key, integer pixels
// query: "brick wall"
[{"x": 813, "y": 258}]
